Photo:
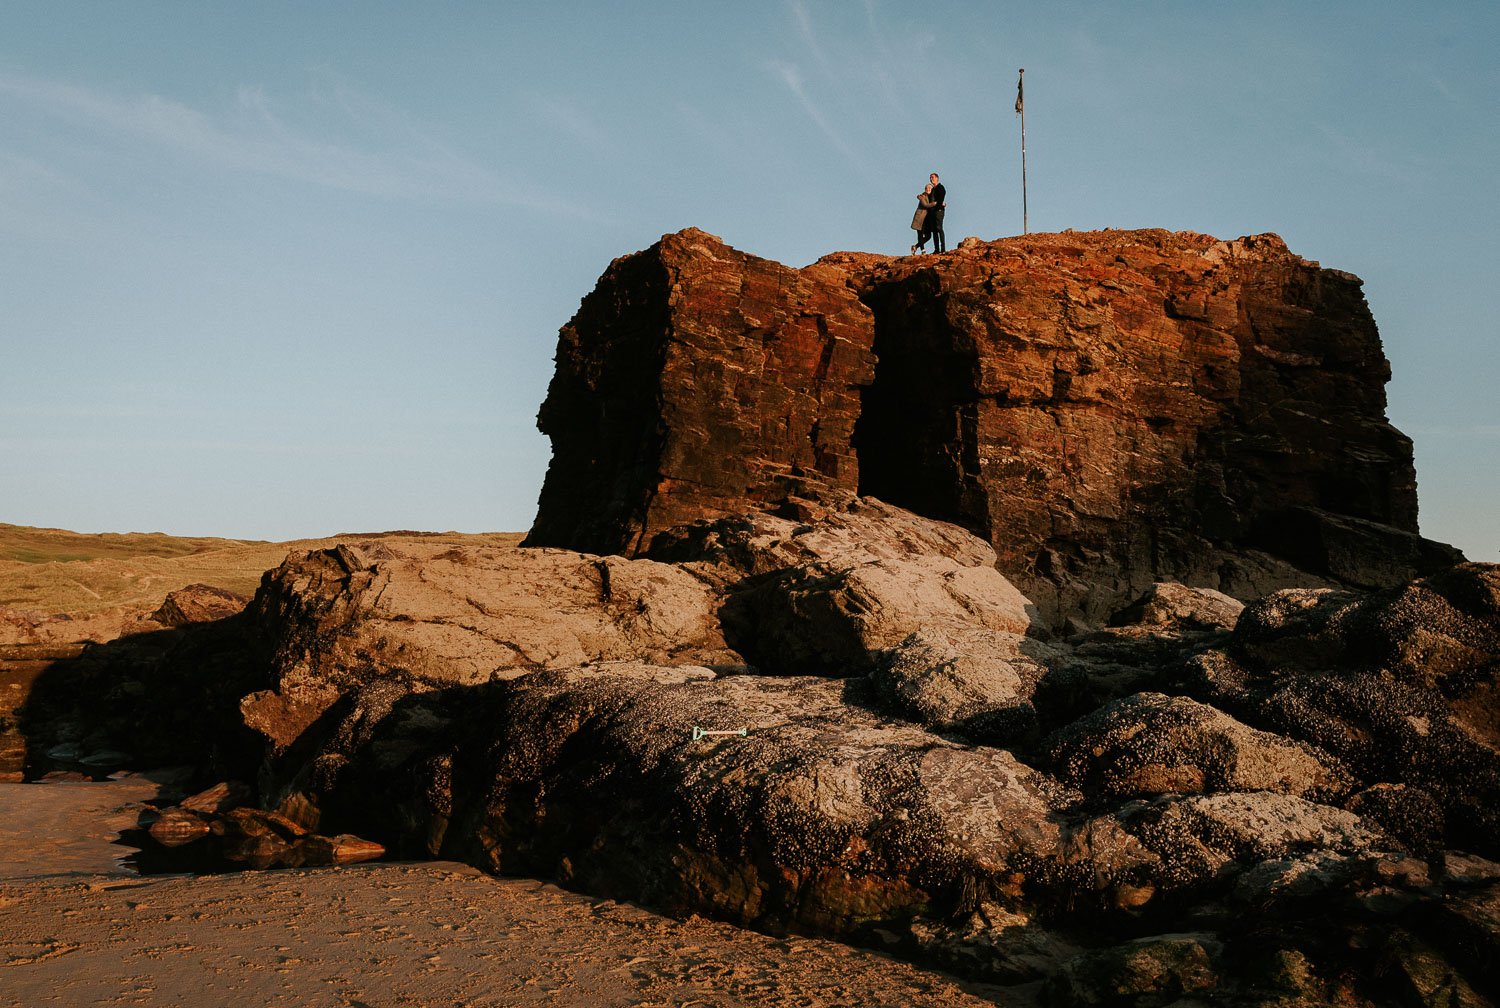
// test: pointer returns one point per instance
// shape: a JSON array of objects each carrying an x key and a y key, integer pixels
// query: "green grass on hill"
[
  {"x": 50, "y": 571},
  {"x": 44, "y": 545}
]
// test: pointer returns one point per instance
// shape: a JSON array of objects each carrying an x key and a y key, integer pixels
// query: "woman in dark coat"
[{"x": 925, "y": 203}]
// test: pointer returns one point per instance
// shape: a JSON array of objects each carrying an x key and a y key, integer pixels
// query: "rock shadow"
[{"x": 163, "y": 698}]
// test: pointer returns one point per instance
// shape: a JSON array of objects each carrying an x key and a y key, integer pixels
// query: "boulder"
[
  {"x": 1150, "y": 744},
  {"x": 1158, "y": 970},
  {"x": 1201, "y": 839},
  {"x": 978, "y": 683},
  {"x": 822, "y": 816},
  {"x": 198, "y": 603},
  {"x": 993, "y": 944},
  {"x": 1166, "y": 604},
  {"x": 822, "y": 619},
  {"x": 1389, "y": 732},
  {"x": 824, "y": 586},
  {"x": 1410, "y": 814},
  {"x": 825, "y": 527},
  {"x": 1442, "y": 632},
  {"x": 434, "y": 615},
  {"x": 1297, "y": 628},
  {"x": 176, "y": 827},
  {"x": 1400, "y": 685}
]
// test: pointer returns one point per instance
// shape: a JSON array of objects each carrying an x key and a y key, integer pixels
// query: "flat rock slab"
[{"x": 435, "y": 933}]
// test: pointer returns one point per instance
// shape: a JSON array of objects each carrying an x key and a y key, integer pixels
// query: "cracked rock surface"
[{"x": 978, "y": 793}]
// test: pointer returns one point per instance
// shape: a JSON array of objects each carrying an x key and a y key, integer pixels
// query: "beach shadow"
[{"x": 162, "y": 698}]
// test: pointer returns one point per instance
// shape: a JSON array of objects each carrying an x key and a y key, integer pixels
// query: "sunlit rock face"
[
  {"x": 694, "y": 380},
  {"x": 1109, "y": 409}
]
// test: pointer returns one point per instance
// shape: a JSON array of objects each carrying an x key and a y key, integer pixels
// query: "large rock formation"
[
  {"x": 1108, "y": 409},
  {"x": 841, "y": 720},
  {"x": 1264, "y": 815},
  {"x": 800, "y": 708}
]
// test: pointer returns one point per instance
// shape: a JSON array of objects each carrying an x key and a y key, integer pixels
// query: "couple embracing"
[{"x": 927, "y": 222}]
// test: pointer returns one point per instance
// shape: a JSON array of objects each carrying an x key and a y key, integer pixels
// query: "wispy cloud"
[
  {"x": 1366, "y": 158},
  {"x": 573, "y": 122},
  {"x": 858, "y": 86},
  {"x": 809, "y": 36},
  {"x": 790, "y": 76},
  {"x": 254, "y": 135}
]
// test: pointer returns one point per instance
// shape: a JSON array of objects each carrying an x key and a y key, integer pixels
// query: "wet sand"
[{"x": 79, "y": 928}]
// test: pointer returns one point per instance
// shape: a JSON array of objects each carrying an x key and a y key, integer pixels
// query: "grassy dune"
[{"x": 49, "y": 571}]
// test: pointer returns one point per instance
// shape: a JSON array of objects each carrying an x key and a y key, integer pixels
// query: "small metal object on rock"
[{"x": 699, "y": 733}]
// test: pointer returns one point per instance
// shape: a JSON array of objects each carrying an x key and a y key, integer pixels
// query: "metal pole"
[{"x": 1021, "y": 108}]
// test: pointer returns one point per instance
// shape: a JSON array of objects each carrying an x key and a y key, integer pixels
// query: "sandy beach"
[{"x": 77, "y": 927}]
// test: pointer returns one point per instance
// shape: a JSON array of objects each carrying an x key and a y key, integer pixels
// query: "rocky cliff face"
[
  {"x": 1108, "y": 409},
  {"x": 693, "y": 379}
]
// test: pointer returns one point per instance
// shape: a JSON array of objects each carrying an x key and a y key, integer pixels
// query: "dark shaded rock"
[
  {"x": 319, "y": 851},
  {"x": 1355, "y": 551},
  {"x": 1469, "y": 870},
  {"x": 1408, "y": 813},
  {"x": 164, "y": 698},
  {"x": 1388, "y": 732},
  {"x": 1424, "y": 975},
  {"x": 1145, "y": 973},
  {"x": 1327, "y": 884},
  {"x": 22, "y": 666},
  {"x": 823, "y": 817},
  {"x": 1401, "y": 685},
  {"x": 219, "y": 798},
  {"x": 993, "y": 944},
  {"x": 1098, "y": 667},
  {"x": 1466, "y": 927},
  {"x": 176, "y": 827},
  {"x": 1442, "y": 632},
  {"x": 209, "y": 836}
]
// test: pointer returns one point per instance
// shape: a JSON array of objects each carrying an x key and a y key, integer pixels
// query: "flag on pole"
[{"x": 1021, "y": 92}]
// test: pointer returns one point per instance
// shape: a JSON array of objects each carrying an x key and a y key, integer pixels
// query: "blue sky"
[{"x": 276, "y": 270}]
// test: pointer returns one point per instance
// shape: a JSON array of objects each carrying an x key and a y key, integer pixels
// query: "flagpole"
[{"x": 1021, "y": 108}]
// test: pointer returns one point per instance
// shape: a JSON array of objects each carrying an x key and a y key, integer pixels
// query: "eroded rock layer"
[
  {"x": 1108, "y": 409},
  {"x": 693, "y": 379}
]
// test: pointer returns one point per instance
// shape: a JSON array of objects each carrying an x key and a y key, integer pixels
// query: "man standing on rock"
[{"x": 935, "y": 215}]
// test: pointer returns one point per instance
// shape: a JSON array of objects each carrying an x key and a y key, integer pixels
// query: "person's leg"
[{"x": 939, "y": 240}]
